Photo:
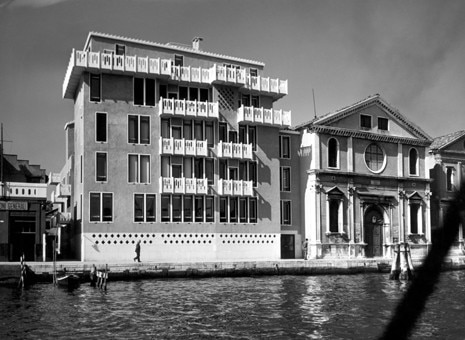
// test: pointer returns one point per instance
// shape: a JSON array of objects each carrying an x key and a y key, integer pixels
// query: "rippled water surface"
[{"x": 289, "y": 307}]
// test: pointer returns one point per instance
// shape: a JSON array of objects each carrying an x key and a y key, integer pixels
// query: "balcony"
[
  {"x": 54, "y": 178},
  {"x": 188, "y": 108},
  {"x": 276, "y": 88},
  {"x": 270, "y": 117},
  {"x": 63, "y": 190},
  {"x": 171, "y": 185},
  {"x": 235, "y": 187},
  {"x": 228, "y": 75},
  {"x": 234, "y": 150},
  {"x": 183, "y": 147},
  {"x": 23, "y": 190}
]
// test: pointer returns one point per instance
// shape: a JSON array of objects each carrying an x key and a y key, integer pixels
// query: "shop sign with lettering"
[{"x": 13, "y": 205}]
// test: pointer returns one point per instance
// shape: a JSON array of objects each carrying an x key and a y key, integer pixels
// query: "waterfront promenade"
[{"x": 131, "y": 270}]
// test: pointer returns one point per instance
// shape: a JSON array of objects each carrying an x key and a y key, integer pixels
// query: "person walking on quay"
[
  {"x": 137, "y": 252},
  {"x": 305, "y": 249}
]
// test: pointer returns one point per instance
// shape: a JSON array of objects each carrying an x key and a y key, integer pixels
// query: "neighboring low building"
[
  {"x": 447, "y": 170},
  {"x": 23, "y": 199},
  {"x": 364, "y": 181}
]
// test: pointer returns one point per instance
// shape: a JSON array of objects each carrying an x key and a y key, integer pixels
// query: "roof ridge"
[{"x": 172, "y": 47}]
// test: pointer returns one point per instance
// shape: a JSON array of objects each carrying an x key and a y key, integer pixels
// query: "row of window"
[
  {"x": 139, "y": 169},
  {"x": 375, "y": 158},
  {"x": 365, "y": 122},
  {"x": 177, "y": 208}
]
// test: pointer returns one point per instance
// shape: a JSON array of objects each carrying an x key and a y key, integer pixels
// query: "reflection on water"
[{"x": 305, "y": 307}]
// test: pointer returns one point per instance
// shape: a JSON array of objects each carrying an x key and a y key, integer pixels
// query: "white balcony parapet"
[
  {"x": 183, "y": 185},
  {"x": 227, "y": 74},
  {"x": 94, "y": 59},
  {"x": 182, "y": 107},
  {"x": 263, "y": 116},
  {"x": 234, "y": 150},
  {"x": 143, "y": 65},
  {"x": 107, "y": 61},
  {"x": 183, "y": 147},
  {"x": 118, "y": 62},
  {"x": 166, "y": 67},
  {"x": 154, "y": 65},
  {"x": 130, "y": 63},
  {"x": 235, "y": 187},
  {"x": 63, "y": 190},
  {"x": 54, "y": 178},
  {"x": 24, "y": 190},
  {"x": 267, "y": 85}
]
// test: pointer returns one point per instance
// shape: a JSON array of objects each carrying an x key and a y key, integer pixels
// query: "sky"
[{"x": 411, "y": 52}]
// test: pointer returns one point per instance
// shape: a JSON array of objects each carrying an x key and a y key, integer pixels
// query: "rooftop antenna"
[{"x": 314, "y": 105}]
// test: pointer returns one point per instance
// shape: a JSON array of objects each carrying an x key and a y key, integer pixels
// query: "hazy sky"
[{"x": 410, "y": 52}]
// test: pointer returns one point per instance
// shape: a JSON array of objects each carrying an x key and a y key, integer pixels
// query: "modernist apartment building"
[
  {"x": 23, "y": 192},
  {"x": 175, "y": 147},
  {"x": 447, "y": 170},
  {"x": 364, "y": 182}
]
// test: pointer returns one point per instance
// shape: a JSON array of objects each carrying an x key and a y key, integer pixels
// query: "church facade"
[{"x": 364, "y": 182}]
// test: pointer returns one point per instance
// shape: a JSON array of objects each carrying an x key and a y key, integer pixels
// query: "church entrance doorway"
[{"x": 373, "y": 231}]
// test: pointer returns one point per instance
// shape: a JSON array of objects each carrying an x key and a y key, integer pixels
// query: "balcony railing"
[
  {"x": 235, "y": 187},
  {"x": 183, "y": 147},
  {"x": 63, "y": 190},
  {"x": 227, "y": 74},
  {"x": 182, "y": 107},
  {"x": 267, "y": 85},
  {"x": 23, "y": 190},
  {"x": 234, "y": 150},
  {"x": 183, "y": 185},
  {"x": 164, "y": 67},
  {"x": 54, "y": 178},
  {"x": 256, "y": 115}
]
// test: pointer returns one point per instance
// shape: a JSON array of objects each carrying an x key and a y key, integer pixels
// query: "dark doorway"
[
  {"x": 287, "y": 246},
  {"x": 373, "y": 228},
  {"x": 22, "y": 237}
]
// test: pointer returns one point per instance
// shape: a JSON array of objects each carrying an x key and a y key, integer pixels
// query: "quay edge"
[{"x": 43, "y": 271}]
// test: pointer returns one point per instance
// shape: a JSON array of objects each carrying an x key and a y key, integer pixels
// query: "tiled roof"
[
  {"x": 172, "y": 46},
  {"x": 445, "y": 140}
]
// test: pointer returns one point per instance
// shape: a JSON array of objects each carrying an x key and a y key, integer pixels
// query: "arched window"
[
  {"x": 413, "y": 162},
  {"x": 333, "y": 153}
]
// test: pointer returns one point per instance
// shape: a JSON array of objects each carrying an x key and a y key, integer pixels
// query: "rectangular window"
[
  {"x": 101, "y": 166},
  {"x": 253, "y": 173},
  {"x": 178, "y": 60},
  {"x": 365, "y": 122},
  {"x": 101, "y": 127},
  {"x": 223, "y": 209},
  {"x": 177, "y": 208},
  {"x": 245, "y": 100},
  {"x": 163, "y": 91},
  {"x": 188, "y": 209},
  {"x": 286, "y": 212},
  {"x": 138, "y": 91},
  {"x": 138, "y": 129},
  {"x": 139, "y": 168},
  {"x": 203, "y": 95},
  {"x": 334, "y": 216},
  {"x": 223, "y": 132},
  {"x": 285, "y": 147},
  {"x": 255, "y": 101},
  {"x": 383, "y": 124},
  {"x": 450, "y": 181},
  {"x": 210, "y": 170},
  {"x": 253, "y": 72},
  {"x": 253, "y": 137},
  {"x": 101, "y": 207},
  {"x": 198, "y": 168},
  {"x": 414, "y": 209},
  {"x": 193, "y": 93},
  {"x": 243, "y": 215},
  {"x": 95, "y": 88},
  {"x": 242, "y": 134},
  {"x": 209, "y": 209},
  {"x": 198, "y": 208},
  {"x": 252, "y": 210},
  {"x": 285, "y": 179},
  {"x": 165, "y": 208},
  {"x": 139, "y": 208},
  {"x": 120, "y": 49},
  {"x": 144, "y": 91},
  {"x": 150, "y": 207},
  {"x": 233, "y": 210},
  {"x": 209, "y": 134},
  {"x": 223, "y": 171}
]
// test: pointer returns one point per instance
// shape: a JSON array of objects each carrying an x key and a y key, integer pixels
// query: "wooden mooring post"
[
  {"x": 22, "y": 278},
  {"x": 402, "y": 265},
  {"x": 102, "y": 277}
]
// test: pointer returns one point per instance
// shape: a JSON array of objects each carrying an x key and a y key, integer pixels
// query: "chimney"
[{"x": 196, "y": 43}]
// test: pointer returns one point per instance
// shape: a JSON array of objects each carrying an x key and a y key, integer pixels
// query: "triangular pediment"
[
  {"x": 374, "y": 116},
  {"x": 414, "y": 196},
  {"x": 335, "y": 191},
  {"x": 451, "y": 142}
]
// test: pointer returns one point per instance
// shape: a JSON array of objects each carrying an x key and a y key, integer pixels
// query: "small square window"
[
  {"x": 383, "y": 124},
  {"x": 365, "y": 122}
]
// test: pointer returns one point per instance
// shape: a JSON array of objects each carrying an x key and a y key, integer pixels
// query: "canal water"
[{"x": 275, "y": 307}]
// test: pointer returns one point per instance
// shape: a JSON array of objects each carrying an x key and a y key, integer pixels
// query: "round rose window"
[{"x": 374, "y": 158}]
